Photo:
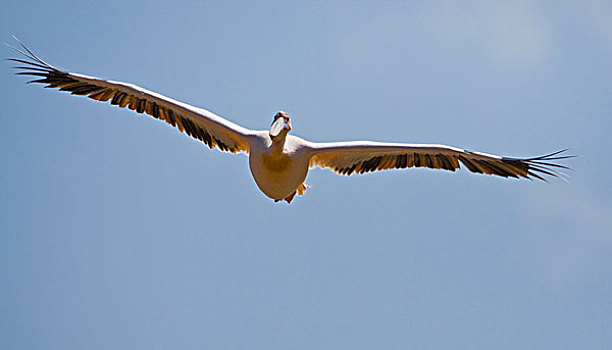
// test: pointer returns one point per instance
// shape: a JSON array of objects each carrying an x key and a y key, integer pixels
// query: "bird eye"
[{"x": 280, "y": 114}]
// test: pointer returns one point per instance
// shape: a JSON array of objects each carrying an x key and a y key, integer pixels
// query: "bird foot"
[
  {"x": 299, "y": 191},
  {"x": 290, "y": 198},
  {"x": 302, "y": 189}
]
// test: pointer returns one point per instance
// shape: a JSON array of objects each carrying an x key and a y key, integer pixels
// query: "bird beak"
[{"x": 278, "y": 126}]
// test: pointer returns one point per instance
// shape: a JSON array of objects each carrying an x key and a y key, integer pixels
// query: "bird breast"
[
  {"x": 276, "y": 163},
  {"x": 278, "y": 174}
]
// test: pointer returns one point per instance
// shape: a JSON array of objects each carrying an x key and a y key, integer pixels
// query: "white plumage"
[{"x": 280, "y": 162}]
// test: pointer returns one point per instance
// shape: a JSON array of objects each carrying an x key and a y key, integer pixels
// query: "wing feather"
[
  {"x": 198, "y": 123},
  {"x": 360, "y": 157}
]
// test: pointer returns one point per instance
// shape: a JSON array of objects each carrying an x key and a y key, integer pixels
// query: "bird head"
[{"x": 281, "y": 125}]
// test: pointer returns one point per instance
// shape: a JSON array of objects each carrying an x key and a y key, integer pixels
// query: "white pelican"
[{"x": 278, "y": 161}]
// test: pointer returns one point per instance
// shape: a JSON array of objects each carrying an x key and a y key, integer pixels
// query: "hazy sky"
[{"x": 118, "y": 232}]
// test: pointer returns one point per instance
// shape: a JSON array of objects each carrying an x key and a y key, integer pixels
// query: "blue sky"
[{"x": 119, "y": 232}]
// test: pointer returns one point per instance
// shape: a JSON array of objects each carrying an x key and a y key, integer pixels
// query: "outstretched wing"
[
  {"x": 360, "y": 157},
  {"x": 196, "y": 122}
]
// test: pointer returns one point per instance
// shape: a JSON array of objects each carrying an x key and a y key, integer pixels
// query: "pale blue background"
[{"x": 117, "y": 232}]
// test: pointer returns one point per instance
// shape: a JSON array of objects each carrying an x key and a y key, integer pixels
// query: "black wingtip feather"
[
  {"x": 31, "y": 54},
  {"x": 30, "y": 63},
  {"x": 37, "y": 81}
]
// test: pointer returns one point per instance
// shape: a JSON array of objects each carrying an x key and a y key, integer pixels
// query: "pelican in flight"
[{"x": 279, "y": 161}]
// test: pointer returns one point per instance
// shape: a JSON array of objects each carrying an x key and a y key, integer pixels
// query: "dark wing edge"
[
  {"x": 343, "y": 162},
  {"x": 542, "y": 165},
  {"x": 175, "y": 113}
]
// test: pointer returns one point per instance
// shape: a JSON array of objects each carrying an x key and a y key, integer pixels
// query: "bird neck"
[{"x": 278, "y": 143}]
